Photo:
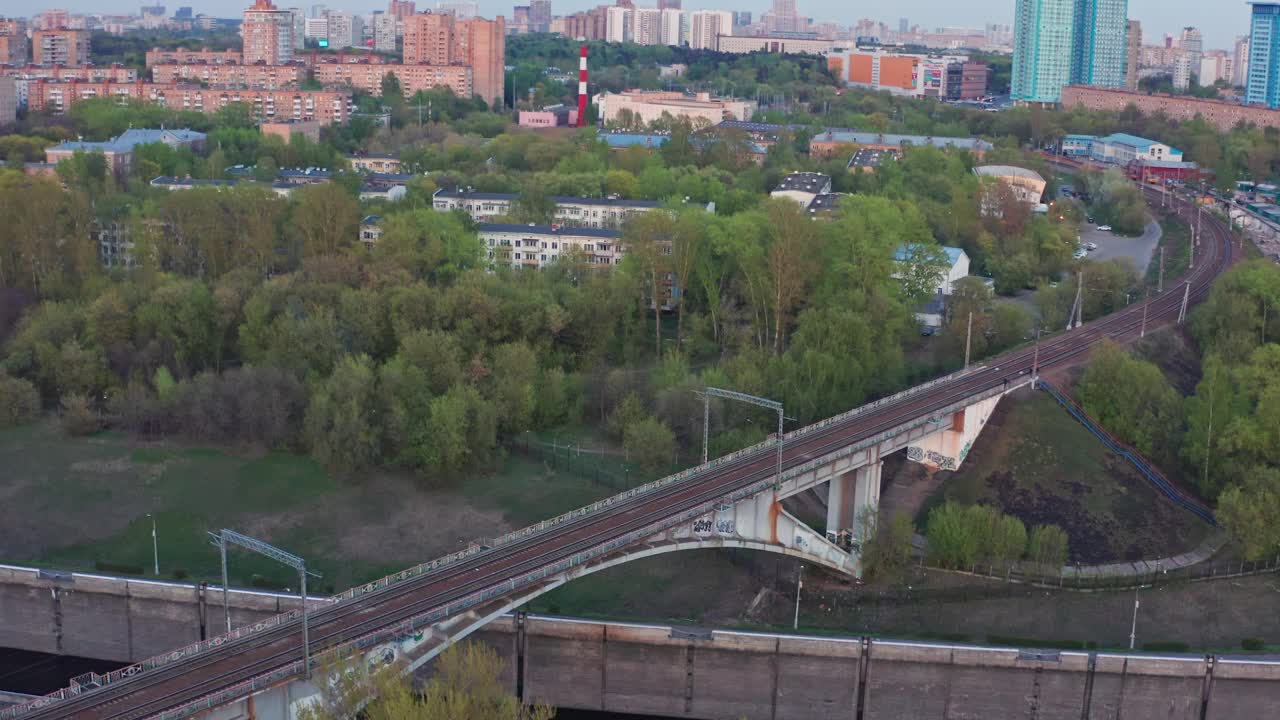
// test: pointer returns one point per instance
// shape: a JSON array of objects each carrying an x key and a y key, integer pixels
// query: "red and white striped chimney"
[{"x": 582, "y": 88}]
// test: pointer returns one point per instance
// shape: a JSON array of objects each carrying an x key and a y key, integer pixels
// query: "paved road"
[{"x": 1138, "y": 249}]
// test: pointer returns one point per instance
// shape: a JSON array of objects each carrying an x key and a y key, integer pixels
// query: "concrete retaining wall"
[
  {"x": 117, "y": 618},
  {"x": 717, "y": 675}
]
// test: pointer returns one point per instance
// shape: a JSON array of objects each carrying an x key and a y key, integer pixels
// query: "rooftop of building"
[
  {"x": 559, "y": 199},
  {"x": 1127, "y": 139},
  {"x": 854, "y": 137},
  {"x": 872, "y": 157},
  {"x": 171, "y": 181},
  {"x": 953, "y": 253},
  {"x": 756, "y": 127},
  {"x": 1079, "y": 138},
  {"x": 1007, "y": 171},
  {"x": 1170, "y": 164},
  {"x": 626, "y": 140},
  {"x": 130, "y": 139},
  {"x": 548, "y": 230},
  {"x": 804, "y": 182},
  {"x": 825, "y": 202}
]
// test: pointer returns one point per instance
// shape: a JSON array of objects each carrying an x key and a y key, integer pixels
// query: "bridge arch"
[{"x": 451, "y": 633}]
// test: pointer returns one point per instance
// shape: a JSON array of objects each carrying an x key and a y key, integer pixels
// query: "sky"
[{"x": 1219, "y": 23}]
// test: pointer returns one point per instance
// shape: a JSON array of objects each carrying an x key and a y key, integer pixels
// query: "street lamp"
[
  {"x": 155, "y": 545},
  {"x": 1133, "y": 629}
]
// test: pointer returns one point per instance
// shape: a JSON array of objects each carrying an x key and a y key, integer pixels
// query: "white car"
[
  {"x": 1104, "y": 228},
  {"x": 1091, "y": 246},
  {"x": 1079, "y": 254}
]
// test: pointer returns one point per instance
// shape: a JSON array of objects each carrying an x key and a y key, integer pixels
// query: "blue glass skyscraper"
[
  {"x": 1059, "y": 42},
  {"x": 1263, "y": 81}
]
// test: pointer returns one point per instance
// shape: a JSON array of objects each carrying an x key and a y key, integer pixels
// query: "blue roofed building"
[
  {"x": 624, "y": 140},
  {"x": 1123, "y": 148},
  {"x": 119, "y": 151},
  {"x": 1076, "y": 145}
]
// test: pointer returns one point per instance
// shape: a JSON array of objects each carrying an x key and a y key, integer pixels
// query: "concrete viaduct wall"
[
  {"x": 115, "y": 618},
  {"x": 675, "y": 672},
  {"x": 715, "y": 675}
]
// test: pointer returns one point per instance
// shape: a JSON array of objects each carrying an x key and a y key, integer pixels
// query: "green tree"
[
  {"x": 19, "y": 401},
  {"x": 325, "y": 217},
  {"x": 886, "y": 551},
  {"x": 1047, "y": 547},
  {"x": 341, "y": 429},
  {"x": 1146, "y": 414},
  {"x": 650, "y": 444}
]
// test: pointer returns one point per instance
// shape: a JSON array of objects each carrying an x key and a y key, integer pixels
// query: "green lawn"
[{"x": 83, "y": 504}]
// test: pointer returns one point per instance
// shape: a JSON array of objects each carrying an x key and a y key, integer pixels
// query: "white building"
[
  {"x": 1182, "y": 71},
  {"x": 537, "y": 246},
  {"x": 570, "y": 211},
  {"x": 673, "y": 27},
  {"x": 803, "y": 187},
  {"x": 316, "y": 28},
  {"x": 384, "y": 32},
  {"x": 957, "y": 267},
  {"x": 1214, "y": 68},
  {"x": 646, "y": 26},
  {"x": 1240, "y": 61},
  {"x": 345, "y": 29},
  {"x": 706, "y": 26},
  {"x": 618, "y": 24},
  {"x": 1122, "y": 149}
]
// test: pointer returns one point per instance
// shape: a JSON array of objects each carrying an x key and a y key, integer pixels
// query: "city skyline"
[{"x": 1220, "y": 26}]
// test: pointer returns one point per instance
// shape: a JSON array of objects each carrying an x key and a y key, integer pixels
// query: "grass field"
[
  {"x": 83, "y": 504},
  {"x": 1035, "y": 462}
]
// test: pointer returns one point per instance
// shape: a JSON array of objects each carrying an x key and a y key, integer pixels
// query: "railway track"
[{"x": 153, "y": 691}]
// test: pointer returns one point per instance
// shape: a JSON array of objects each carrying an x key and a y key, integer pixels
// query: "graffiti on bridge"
[{"x": 918, "y": 454}]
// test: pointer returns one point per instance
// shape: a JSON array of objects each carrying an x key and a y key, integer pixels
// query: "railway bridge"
[{"x": 733, "y": 501}]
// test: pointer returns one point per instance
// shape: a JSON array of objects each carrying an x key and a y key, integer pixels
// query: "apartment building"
[
  {"x": 345, "y": 30},
  {"x": 90, "y": 73},
  {"x": 261, "y": 77},
  {"x": 443, "y": 39},
  {"x": 741, "y": 44},
  {"x": 326, "y": 106},
  {"x": 13, "y": 41},
  {"x": 181, "y": 56},
  {"x": 268, "y": 34},
  {"x": 1179, "y": 108},
  {"x": 368, "y": 77},
  {"x": 8, "y": 100},
  {"x": 60, "y": 47},
  {"x": 537, "y": 246},
  {"x": 570, "y": 211}
]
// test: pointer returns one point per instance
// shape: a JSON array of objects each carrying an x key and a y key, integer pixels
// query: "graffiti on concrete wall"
[
  {"x": 720, "y": 523},
  {"x": 918, "y": 454}
]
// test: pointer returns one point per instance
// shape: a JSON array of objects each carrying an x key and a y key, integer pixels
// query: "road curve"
[{"x": 183, "y": 681}]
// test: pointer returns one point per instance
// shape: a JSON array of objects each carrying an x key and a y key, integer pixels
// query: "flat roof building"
[
  {"x": 1027, "y": 185},
  {"x": 537, "y": 246},
  {"x": 826, "y": 144},
  {"x": 646, "y": 106},
  {"x": 608, "y": 212}
]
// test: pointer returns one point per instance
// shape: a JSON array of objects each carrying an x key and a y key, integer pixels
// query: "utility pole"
[
  {"x": 795, "y": 625},
  {"x": 1035, "y": 362},
  {"x": 1133, "y": 629},
  {"x": 968, "y": 336},
  {"x": 155, "y": 544},
  {"x": 743, "y": 397},
  {"x": 1160, "y": 281},
  {"x": 1186, "y": 296},
  {"x": 1146, "y": 303},
  {"x": 221, "y": 538},
  {"x": 706, "y": 425}
]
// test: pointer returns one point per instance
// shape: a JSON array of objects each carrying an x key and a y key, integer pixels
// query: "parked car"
[
  {"x": 1091, "y": 246},
  {"x": 1104, "y": 228},
  {"x": 1089, "y": 219},
  {"x": 1080, "y": 253}
]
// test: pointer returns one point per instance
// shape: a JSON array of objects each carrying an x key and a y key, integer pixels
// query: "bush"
[
  {"x": 1253, "y": 644},
  {"x": 78, "y": 416},
  {"x": 19, "y": 401},
  {"x": 1048, "y": 547}
]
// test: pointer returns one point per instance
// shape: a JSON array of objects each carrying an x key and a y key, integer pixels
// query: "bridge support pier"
[{"x": 850, "y": 496}]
